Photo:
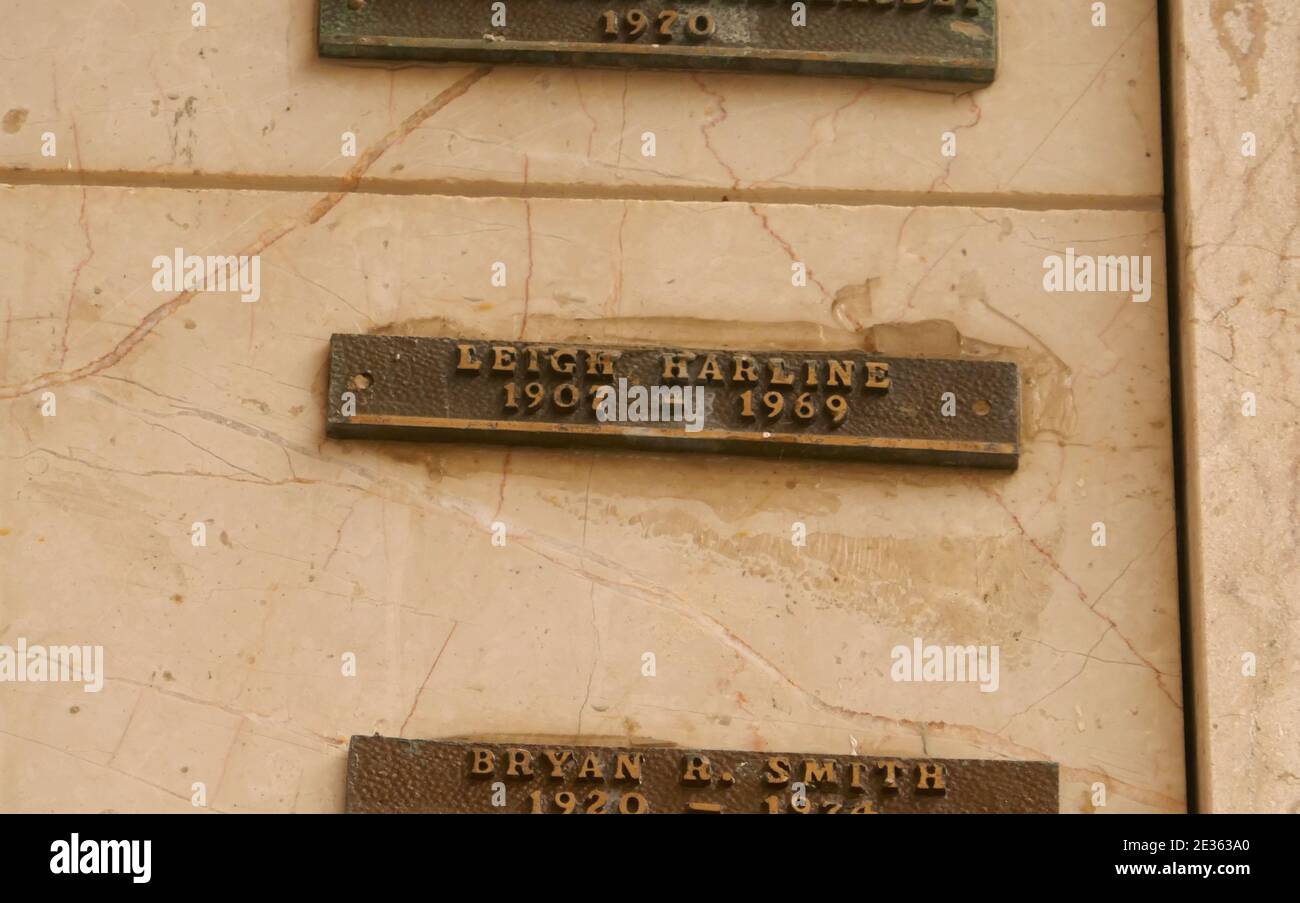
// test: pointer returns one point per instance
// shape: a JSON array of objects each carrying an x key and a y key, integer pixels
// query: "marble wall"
[{"x": 223, "y": 661}]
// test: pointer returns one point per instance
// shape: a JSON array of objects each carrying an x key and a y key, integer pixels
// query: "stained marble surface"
[{"x": 224, "y": 661}]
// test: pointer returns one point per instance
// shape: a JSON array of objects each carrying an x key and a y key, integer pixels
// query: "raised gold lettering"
[
  {"x": 877, "y": 376},
  {"x": 564, "y": 360},
  {"x": 627, "y": 767},
  {"x": 929, "y": 777},
  {"x": 890, "y": 767},
  {"x": 558, "y": 760},
  {"x": 482, "y": 761},
  {"x": 467, "y": 359},
  {"x": 697, "y": 769},
  {"x": 675, "y": 364},
  {"x": 519, "y": 763},
  {"x": 590, "y": 770},
  {"x": 601, "y": 363},
  {"x": 841, "y": 372},
  {"x": 504, "y": 358},
  {"x": 534, "y": 364},
  {"x": 780, "y": 375},
  {"x": 815, "y": 772},
  {"x": 711, "y": 370},
  {"x": 778, "y": 770}
]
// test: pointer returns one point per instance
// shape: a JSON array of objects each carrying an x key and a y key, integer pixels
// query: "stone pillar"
[{"x": 1236, "y": 157}]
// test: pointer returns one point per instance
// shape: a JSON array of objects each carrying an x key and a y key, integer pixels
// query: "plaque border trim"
[{"x": 506, "y": 426}]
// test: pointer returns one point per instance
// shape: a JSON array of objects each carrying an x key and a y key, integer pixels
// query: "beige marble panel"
[
  {"x": 1235, "y": 67},
  {"x": 135, "y": 92},
  {"x": 224, "y": 661}
]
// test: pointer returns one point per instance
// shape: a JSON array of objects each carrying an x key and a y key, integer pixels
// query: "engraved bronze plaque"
[
  {"x": 387, "y": 774},
  {"x": 931, "y": 39},
  {"x": 848, "y": 405}
]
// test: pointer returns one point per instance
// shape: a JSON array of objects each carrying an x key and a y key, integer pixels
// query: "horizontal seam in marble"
[{"x": 582, "y": 192}]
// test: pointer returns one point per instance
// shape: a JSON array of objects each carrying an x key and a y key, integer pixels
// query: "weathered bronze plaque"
[
  {"x": 847, "y": 405},
  {"x": 387, "y": 774},
  {"x": 931, "y": 39}
]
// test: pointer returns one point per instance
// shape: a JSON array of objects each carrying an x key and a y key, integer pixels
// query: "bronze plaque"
[
  {"x": 931, "y": 39},
  {"x": 387, "y": 774},
  {"x": 848, "y": 405}
]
